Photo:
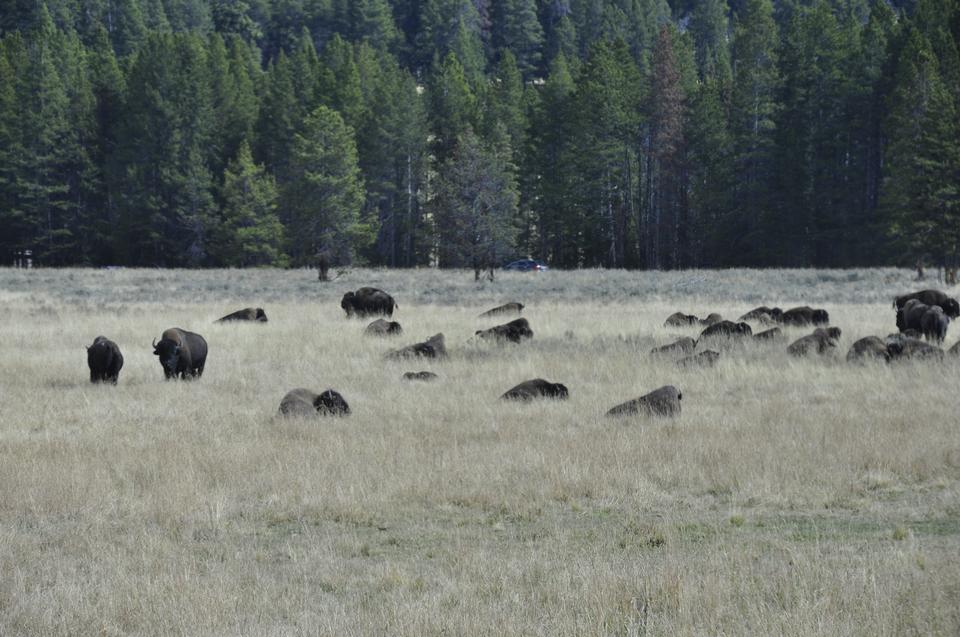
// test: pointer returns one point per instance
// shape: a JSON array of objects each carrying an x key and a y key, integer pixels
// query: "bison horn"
[{"x": 154, "y": 343}]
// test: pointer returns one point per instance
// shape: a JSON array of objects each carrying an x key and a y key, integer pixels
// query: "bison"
[
  {"x": 104, "y": 360},
  {"x": 305, "y": 403},
  {"x": 869, "y": 347},
  {"x": 515, "y": 331},
  {"x": 536, "y": 388},
  {"x": 660, "y": 402},
  {"x": 910, "y": 316},
  {"x": 423, "y": 376},
  {"x": 433, "y": 347},
  {"x": 905, "y": 348},
  {"x": 368, "y": 302},
  {"x": 949, "y": 305},
  {"x": 934, "y": 323},
  {"x": 382, "y": 327},
  {"x": 772, "y": 334},
  {"x": 726, "y": 329},
  {"x": 804, "y": 316},
  {"x": 683, "y": 345},
  {"x": 246, "y": 314},
  {"x": 507, "y": 308},
  {"x": 822, "y": 341},
  {"x": 679, "y": 319},
  {"x": 181, "y": 353},
  {"x": 706, "y": 358},
  {"x": 762, "y": 313},
  {"x": 712, "y": 319}
]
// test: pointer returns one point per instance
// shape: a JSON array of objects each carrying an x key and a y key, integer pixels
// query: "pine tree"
[
  {"x": 452, "y": 105},
  {"x": 517, "y": 29},
  {"x": 476, "y": 205},
  {"x": 322, "y": 201},
  {"x": 249, "y": 233}
]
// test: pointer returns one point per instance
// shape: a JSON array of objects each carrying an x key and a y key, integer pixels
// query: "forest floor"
[{"x": 791, "y": 497}]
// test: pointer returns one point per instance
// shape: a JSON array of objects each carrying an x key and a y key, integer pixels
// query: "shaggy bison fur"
[
  {"x": 949, "y": 305},
  {"x": 515, "y": 331},
  {"x": 303, "y": 403},
  {"x": 368, "y": 302},
  {"x": 804, "y": 316},
  {"x": 383, "y": 327},
  {"x": 246, "y": 314},
  {"x": 536, "y": 388},
  {"x": 868, "y": 348},
  {"x": 683, "y": 345},
  {"x": 660, "y": 402},
  {"x": 424, "y": 376},
  {"x": 727, "y": 329},
  {"x": 181, "y": 353},
  {"x": 104, "y": 360},
  {"x": 433, "y": 347}
]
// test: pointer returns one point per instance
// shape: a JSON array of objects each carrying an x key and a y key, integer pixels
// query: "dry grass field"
[{"x": 791, "y": 497}]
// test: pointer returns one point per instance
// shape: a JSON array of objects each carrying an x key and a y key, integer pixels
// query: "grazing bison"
[
  {"x": 727, "y": 329},
  {"x": 424, "y": 376},
  {"x": 712, "y": 319},
  {"x": 514, "y": 331},
  {"x": 949, "y": 305},
  {"x": 433, "y": 347},
  {"x": 706, "y": 358},
  {"x": 368, "y": 302},
  {"x": 803, "y": 316},
  {"x": 660, "y": 402},
  {"x": 536, "y": 388},
  {"x": 904, "y": 348},
  {"x": 934, "y": 323},
  {"x": 762, "y": 313},
  {"x": 869, "y": 347},
  {"x": 679, "y": 319},
  {"x": 246, "y": 314},
  {"x": 506, "y": 308},
  {"x": 305, "y": 403},
  {"x": 772, "y": 334},
  {"x": 181, "y": 353},
  {"x": 104, "y": 360},
  {"x": 822, "y": 341},
  {"x": 383, "y": 327},
  {"x": 683, "y": 345}
]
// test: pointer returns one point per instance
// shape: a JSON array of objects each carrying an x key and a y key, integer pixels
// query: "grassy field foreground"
[{"x": 791, "y": 497}]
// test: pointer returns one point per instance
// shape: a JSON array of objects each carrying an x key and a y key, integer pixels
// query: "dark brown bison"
[
  {"x": 679, "y": 319},
  {"x": 822, "y": 341},
  {"x": 536, "y": 388},
  {"x": 949, "y": 305},
  {"x": 305, "y": 403},
  {"x": 762, "y": 313},
  {"x": 934, "y": 324},
  {"x": 506, "y": 308},
  {"x": 904, "y": 348},
  {"x": 515, "y": 331},
  {"x": 433, "y": 347},
  {"x": 868, "y": 348},
  {"x": 104, "y": 360},
  {"x": 772, "y": 334},
  {"x": 904, "y": 313},
  {"x": 424, "y": 376},
  {"x": 804, "y": 316},
  {"x": 706, "y": 358},
  {"x": 181, "y": 353},
  {"x": 727, "y": 329},
  {"x": 368, "y": 302},
  {"x": 246, "y": 314},
  {"x": 712, "y": 319},
  {"x": 383, "y": 327},
  {"x": 660, "y": 402},
  {"x": 683, "y": 345}
]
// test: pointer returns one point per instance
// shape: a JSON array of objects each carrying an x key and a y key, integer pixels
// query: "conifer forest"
[{"x": 642, "y": 134}]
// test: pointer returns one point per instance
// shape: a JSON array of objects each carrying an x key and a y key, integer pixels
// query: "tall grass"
[{"x": 791, "y": 497}]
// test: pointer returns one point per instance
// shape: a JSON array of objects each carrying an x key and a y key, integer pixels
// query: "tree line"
[{"x": 463, "y": 133}]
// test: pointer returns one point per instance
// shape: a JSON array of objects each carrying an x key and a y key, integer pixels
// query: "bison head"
[
  {"x": 347, "y": 303},
  {"x": 169, "y": 353},
  {"x": 820, "y": 317},
  {"x": 560, "y": 390},
  {"x": 331, "y": 403},
  {"x": 951, "y": 308},
  {"x": 261, "y": 315}
]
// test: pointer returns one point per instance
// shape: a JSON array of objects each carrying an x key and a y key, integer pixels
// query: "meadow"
[{"x": 791, "y": 497}]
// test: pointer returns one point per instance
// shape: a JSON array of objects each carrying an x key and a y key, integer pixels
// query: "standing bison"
[
  {"x": 949, "y": 305},
  {"x": 247, "y": 314},
  {"x": 104, "y": 360},
  {"x": 368, "y": 302},
  {"x": 934, "y": 323},
  {"x": 181, "y": 353}
]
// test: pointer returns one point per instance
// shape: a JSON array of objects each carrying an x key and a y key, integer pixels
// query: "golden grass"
[{"x": 791, "y": 497}]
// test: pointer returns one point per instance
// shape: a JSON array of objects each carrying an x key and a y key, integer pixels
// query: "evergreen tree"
[
  {"x": 322, "y": 201},
  {"x": 453, "y": 106},
  {"x": 476, "y": 205},
  {"x": 517, "y": 29},
  {"x": 249, "y": 233}
]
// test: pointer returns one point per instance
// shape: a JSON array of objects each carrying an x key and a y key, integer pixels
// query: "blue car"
[{"x": 526, "y": 265}]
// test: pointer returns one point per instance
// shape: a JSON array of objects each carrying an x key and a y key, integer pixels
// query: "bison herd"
[{"x": 920, "y": 317}]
